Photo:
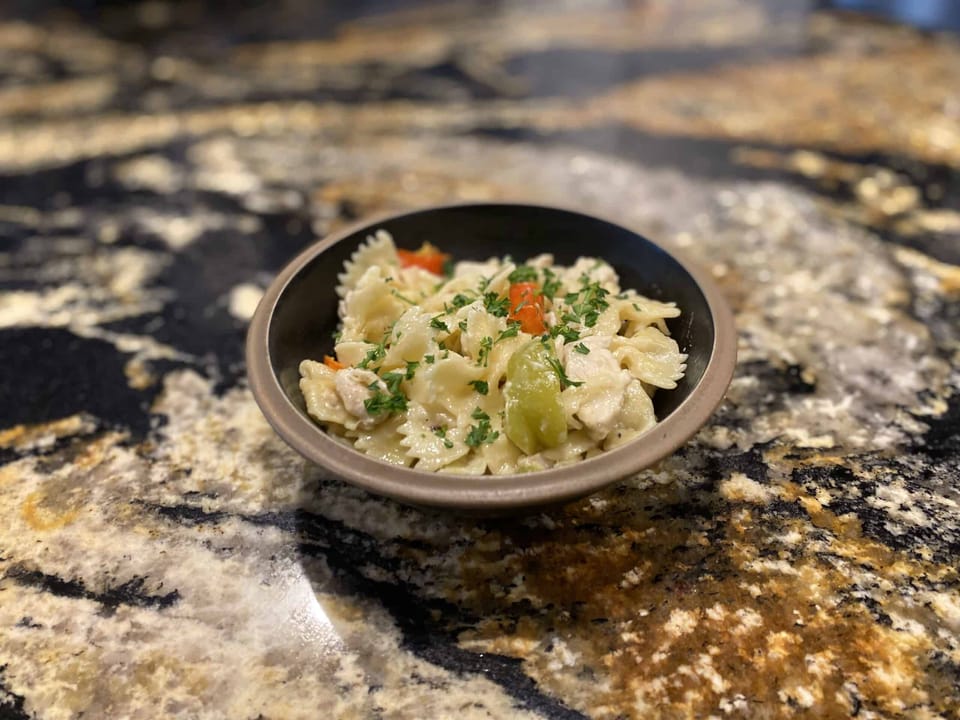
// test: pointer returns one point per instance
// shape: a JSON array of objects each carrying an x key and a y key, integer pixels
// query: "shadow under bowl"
[{"x": 298, "y": 315}]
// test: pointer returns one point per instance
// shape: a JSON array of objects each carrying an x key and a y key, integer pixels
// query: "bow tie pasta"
[{"x": 488, "y": 367}]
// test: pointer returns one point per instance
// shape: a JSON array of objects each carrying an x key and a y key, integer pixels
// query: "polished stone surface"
[{"x": 163, "y": 553}]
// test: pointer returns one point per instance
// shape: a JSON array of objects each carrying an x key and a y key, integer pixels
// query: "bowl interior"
[{"x": 305, "y": 315}]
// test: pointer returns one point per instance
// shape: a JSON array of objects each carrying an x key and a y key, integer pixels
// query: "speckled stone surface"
[{"x": 163, "y": 553}]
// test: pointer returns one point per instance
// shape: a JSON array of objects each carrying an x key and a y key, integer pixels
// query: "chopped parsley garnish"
[
  {"x": 513, "y": 327},
  {"x": 462, "y": 325},
  {"x": 568, "y": 333},
  {"x": 481, "y": 433},
  {"x": 581, "y": 348},
  {"x": 392, "y": 401},
  {"x": 377, "y": 352},
  {"x": 448, "y": 266},
  {"x": 396, "y": 293},
  {"x": 437, "y": 324},
  {"x": 460, "y": 300},
  {"x": 550, "y": 283},
  {"x": 441, "y": 432},
  {"x": 412, "y": 366},
  {"x": 429, "y": 359},
  {"x": 586, "y": 304},
  {"x": 495, "y": 305},
  {"x": 484, "y": 355},
  {"x": 554, "y": 363},
  {"x": 523, "y": 273},
  {"x": 480, "y": 386},
  {"x": 565, "y": 382}
]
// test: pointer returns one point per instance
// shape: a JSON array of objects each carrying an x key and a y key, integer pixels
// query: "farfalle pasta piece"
[
  {"x": 381, "y": 442},
  {"x": 413, "y": 339},
  {"x": 445, "y": 386},
  {"x": 431, "y": 442},
  {"x": 639, "y": 312},
  {"x": 650, "y": 356},
  {"x": 377, "y": 250},
  {"x": 370, "y": 309}
]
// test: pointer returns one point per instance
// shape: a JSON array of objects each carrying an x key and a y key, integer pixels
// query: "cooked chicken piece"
[
  {"x": 353, "y": 387},
  {"x": 599, "y": 400}
]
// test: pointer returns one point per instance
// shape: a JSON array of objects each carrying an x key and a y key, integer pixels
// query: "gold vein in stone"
[
  {"x": 947, "y": 275},
  {"x": 697, "y": 611},
  {"x": 902, "y": 102},
  {"x": 57, "y": 98},
  {"x": 829, "y": 102},
  {"x": 406, "y": 38}
]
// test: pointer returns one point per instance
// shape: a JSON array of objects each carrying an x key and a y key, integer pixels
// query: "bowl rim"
[{"x": 485, "y": 492}]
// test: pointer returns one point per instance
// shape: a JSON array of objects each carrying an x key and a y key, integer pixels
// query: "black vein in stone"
[
  {"x": 129, "y": 593},
  {"x": 38, "y": 386},
  {"x": 429, "y": 627},
  {"x": 11, "y": 704}
]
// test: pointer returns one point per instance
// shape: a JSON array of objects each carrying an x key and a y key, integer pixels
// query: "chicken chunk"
[
  {"x": 599, "y": 400},
  {"x": 353, "y": 387}
]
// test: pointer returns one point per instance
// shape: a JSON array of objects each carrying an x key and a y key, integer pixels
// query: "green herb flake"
[
  {"x": 393, "y": 380},
  {"x": 480, "y": 386},
  {"x": 523, "y": 273},
  {"x": 586, "y": 304},
  {"x": 582, "y": 349},
  {"x": 392, "y": 401},
  {"x": 460, "y": 300},
  {"x": 462, "y": 325},
  {"x": 412, "y": 366},
  {"x": 396, "y": 293},
  {"x": 513, "y": 327},
  {"x": 441, "y": 432},
  {"x": 378, "y": 352},
  {"x": 429, "y": 359},
  {"x": 568, "y": 333},
  {"x": 481, "y": 433},
  {"x": 565, "y": 382},
  {"x": 554, "y": 363},
  {"x": 496, "y": 305},
  {"x": 483, "y": 356},
  {"x": 437, "y": 324},
  {"x": 550, "y": 283}
]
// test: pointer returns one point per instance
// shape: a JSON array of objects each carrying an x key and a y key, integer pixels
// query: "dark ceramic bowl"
[{"x": 298, "y": 314}]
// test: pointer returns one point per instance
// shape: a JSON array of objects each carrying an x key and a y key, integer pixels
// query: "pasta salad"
[{"x": 488, "y": 367}]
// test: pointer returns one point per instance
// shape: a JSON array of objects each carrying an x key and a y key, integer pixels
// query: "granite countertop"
[{"x": 163, "y": 553}]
